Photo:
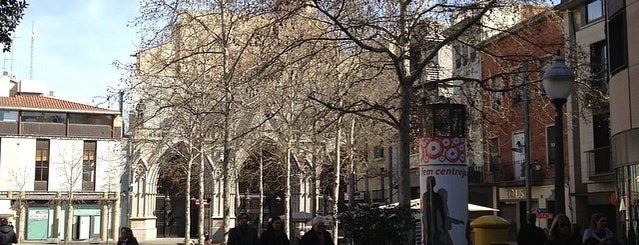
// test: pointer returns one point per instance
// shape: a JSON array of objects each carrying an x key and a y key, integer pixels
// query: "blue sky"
[{"x": 75, "y": 45}]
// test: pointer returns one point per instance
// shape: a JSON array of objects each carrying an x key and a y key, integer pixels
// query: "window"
[
  {"x": 497, "y": 98},
  {"x": 459, "y": 56},
  {"x": 493, "y": 154},
  {"x": 551, "y": 144},
  {"x": 9, "y": 116},
  {"x": 41, "y": 164},
  {"x": 464, "y": 54},
  {"x": 378, "y": 151},
  {"x": 594, "y": 10},
  {"x": 517, "y": 93},
  {"x": 598, "y": 65},
  {"x": 88, "y": 166},
  {"x": 43, "y": 117},
  {"x": 618, "y": 56},
  {"x": 90, "y": 119}
]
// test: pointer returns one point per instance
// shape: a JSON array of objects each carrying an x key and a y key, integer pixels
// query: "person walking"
[
  {"x": 561, "y": 232},
  {"x": 274, "y": 235},
  {"x": 242, "y": 233},
  {"x": 598, "y": 232},
  {"x": 318, "y": 234},
  {"x": 531, "y": 234},
  {"x": 126, "y": 237},
  {"x": 7, "y": 234}
]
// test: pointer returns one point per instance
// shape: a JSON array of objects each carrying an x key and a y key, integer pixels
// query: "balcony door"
[{"x": 519, "y": 155}]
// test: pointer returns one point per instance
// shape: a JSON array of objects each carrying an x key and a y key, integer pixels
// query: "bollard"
[{"x": 489, "y": 229}]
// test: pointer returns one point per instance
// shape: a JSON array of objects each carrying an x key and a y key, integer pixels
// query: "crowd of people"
[
  {"x": 563, "y": 232},
  {"x": 244, "y": 234}
]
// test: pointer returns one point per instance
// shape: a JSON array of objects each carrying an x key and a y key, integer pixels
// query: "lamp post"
[{"x": 558, "y": 80}]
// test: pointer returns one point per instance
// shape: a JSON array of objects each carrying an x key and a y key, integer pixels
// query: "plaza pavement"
[{"x": 157, "y": 241}]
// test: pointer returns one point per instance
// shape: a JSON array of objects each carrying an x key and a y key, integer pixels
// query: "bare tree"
[{"x": 207, "y": 51}]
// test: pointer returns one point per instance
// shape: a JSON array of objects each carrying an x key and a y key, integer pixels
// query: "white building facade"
[{"x": 61, "y": 164}]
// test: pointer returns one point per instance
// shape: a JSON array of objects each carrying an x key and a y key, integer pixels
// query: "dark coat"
[
  {"x": 130, "y": 241},
  {"x": 530, "y": 234},
  {"x": 273, "y": 237},
  {"x": 243, "y": 236},
  {"x": 7, "y": 235},
  {"x": 310, "y": 238}
]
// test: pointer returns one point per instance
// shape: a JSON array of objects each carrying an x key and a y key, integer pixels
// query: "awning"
[{"x": 416, "y": 204}]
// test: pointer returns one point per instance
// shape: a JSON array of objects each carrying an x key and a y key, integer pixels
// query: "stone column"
[
  {"x": 22, "y": 215},
  {"x": 115, "y": 223},
  {"x": 104, "y": 217},
  {"x": 57, "y": 212},
  {"x": 69, "y": 226}
]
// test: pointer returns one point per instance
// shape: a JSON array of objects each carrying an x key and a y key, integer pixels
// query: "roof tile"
[{"x": 43, "y": 102}]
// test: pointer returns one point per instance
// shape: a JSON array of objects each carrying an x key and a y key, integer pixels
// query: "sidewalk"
[{"x": 157, "y": 241}]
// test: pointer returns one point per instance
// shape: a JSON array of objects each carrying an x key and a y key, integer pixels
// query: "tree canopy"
[{"x": 11, "y": 12}]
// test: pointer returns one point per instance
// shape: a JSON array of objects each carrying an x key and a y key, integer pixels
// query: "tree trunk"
[
  {"x": 338, "y": 161},
  {"x": 187, "y": 209},
  {"x": 201, "y": 208}
]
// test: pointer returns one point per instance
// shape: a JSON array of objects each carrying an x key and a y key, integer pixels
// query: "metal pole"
[
  {"x": 527, "y": 161},
  {"x": 560, "y": 196},
  {"x": 382, "y": 174}
]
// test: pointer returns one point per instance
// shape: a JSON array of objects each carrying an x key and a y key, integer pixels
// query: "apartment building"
[
  {"x": 518, "y": 119},
  {"x": 601, "y": 126},
  {"x": 61, "y": 165}
]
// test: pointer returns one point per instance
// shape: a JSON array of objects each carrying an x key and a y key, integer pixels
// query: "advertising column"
[{"x": 443, "y": 182}]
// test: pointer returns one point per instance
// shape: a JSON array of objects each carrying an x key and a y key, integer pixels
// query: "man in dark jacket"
[
  {"x": 530, "y": 233},
  {"x": 243, "y": 234},
  {"x": 7, "y": 235},
  {"x": 318, "y": 235}
]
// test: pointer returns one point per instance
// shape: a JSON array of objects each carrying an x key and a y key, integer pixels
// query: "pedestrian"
[
  {"x": 242, "y": 233},
  {"x": 531, "y": 234},
  {"x": 207, "y": 238},
  {"x": 561, "y": 232},
  {"x": 598, "y": 232},
  {"x": 7, "y": 234},
  {"x": 126, "y": 237},
  {"x": 318, "y": 234},
  {"x": 274, "y": 235}
]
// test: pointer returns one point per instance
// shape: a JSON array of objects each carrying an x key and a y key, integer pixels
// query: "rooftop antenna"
[
  {"x": 10, "y": 59},
  {"x": 31, "y": 61}
]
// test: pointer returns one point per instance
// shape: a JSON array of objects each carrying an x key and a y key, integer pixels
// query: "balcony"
[
  {"x": 598, "y": 162},
  {"x": 476, "y": 174},
  {"x": 511, "y": 172}
]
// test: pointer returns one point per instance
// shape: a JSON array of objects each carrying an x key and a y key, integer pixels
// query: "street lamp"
[{"x": 558, "y": 80}]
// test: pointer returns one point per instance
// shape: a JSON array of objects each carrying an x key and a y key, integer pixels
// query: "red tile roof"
[{"x": 43, "y": 103}]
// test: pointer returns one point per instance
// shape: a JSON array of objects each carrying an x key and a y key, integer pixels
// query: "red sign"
[{"x": 544, "y": 216}]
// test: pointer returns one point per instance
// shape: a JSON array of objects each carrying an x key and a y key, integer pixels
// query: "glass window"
[
  {"x": 9, "y": 116},
  {"x": 493, "y": 151},
  {"x": 88, "y": 161},
  {"x": 44, "y": 117},
  {"x": 42, "y": 160},
  {"x": 594, "y": 10},
  {"x": 90, "y": 119},
  {"x": 617, "y": 43},
  {"x": 458, "y": 56},
  {"x": 598, "y": 64},
  {"x": 378, "y": 151}
]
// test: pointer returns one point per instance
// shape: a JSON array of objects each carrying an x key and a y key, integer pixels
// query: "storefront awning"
[{"x": 416, "y": 204}]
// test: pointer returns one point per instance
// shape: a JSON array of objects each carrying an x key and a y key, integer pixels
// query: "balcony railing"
[
  {"x": 512, "y": 171},
  {"x": 599, "y": 162},
  {"x": 475, "y": 174},
  {"x": 502, "y": 171}
]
